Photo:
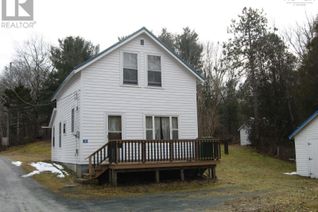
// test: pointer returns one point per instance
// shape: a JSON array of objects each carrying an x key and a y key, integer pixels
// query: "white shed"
[
  {"x": 244, "y": 140},
  {"x": 306, "y": 147}
]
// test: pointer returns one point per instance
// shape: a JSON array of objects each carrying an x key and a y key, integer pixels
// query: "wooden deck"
[{"x": 154, "y": 155}]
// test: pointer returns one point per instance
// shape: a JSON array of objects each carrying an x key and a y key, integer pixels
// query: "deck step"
[
  {"x": 99, "y": 170},
  {"x": 85, "y": 174},
  {"x": 83, "y": 180}
]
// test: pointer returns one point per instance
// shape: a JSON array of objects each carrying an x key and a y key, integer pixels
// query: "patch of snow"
[
  {"x": 58, "y": 166},
  {"x": 17, "y": 163},
  {"x": 291, "y": 173},
  {"x": 31, "y": 173},
  {"x": 47, "y": 167}
]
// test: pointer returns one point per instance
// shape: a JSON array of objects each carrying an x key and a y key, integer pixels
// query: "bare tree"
[
  {"x": 299, "y": 36},
  {"x": 30, "y": 67},
  {"x": 210, "y": 93},
  {"x": 23, "y": 81}
]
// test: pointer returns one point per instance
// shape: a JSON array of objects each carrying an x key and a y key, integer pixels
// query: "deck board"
[{"x": 163, "y": 165}]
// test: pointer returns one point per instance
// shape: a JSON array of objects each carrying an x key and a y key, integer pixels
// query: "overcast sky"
[{"x": 103, "y": 21}]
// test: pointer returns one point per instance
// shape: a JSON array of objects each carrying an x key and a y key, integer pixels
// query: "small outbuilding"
[
  {"x": 306, "y": 147},
  {"x": 244, "y": 135}
]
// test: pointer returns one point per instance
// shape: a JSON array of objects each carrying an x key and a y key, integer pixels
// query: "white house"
[
  {"x": 306, "y": 147},
  {"x": 244, "y": 135},
  {"x": 136, "y": 89}
]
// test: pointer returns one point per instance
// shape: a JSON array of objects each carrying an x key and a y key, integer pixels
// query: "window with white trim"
[
  {"x": 149, "y": 128},
  {"x": 130, "y": 68},
  {"x": 174, "y": 128},
  {"x": 154, "y": 70},
  {"x": 114, "y": 128},
  {"x": 159, "y": 127}
]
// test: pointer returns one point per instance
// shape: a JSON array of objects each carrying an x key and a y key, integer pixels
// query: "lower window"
[
  {"x": 114, "y": 128},
  {"x": 161, "y": 127}
]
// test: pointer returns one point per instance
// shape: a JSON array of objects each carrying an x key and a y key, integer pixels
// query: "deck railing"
[
  {"x": 143, "y": 151},
  {"x": 155, "y": 151}
]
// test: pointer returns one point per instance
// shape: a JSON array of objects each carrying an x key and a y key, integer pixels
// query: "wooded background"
[{"x": 261, "y": 77}]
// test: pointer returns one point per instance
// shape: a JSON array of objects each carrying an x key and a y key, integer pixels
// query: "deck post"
[
  {"x": 114, "y": 178},
  {"x": 171, "y": 150},
  {"x": 110, "y": 176},
  {"x": 213, "y": 173},
  {"x": 226, "y": 146},
  {"x": 157, "y": 176},
  {"x": 117, "y": 151},
  {"x": 182, "y": 174},
  {"x": 143, "y": 151},
  {"x": 210, "y": 173},
  {"x": 90, "y": 171}
]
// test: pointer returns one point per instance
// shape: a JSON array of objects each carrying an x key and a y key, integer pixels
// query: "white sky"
[{"x": 103, "y": 21}]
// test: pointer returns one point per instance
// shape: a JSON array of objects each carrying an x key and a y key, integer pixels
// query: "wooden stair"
[{"x": 98, "y": 163}]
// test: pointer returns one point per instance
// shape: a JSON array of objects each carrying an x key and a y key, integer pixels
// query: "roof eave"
[
  {"x": 303, "y": 125},
  {"x": 51, "y": 119}
]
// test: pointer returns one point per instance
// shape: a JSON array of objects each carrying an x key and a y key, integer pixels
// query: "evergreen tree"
[
  {"x": 71, "y": 52},
  {"x": 188, "y": 47},
  {"x": 168, "y": 39},
  {"x": 242, "y": 50}
]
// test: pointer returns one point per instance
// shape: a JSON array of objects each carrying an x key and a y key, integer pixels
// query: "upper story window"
[
  {"x": 130, "y": 68},
  {"x": 154, "y": 70}
]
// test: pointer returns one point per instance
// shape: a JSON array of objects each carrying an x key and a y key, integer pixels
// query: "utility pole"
[
  {"x": 18, "y": 125},
  {"x": 8, "y": 128}
]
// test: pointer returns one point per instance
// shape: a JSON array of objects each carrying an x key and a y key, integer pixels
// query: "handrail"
[
  {"x": 102, "y": 147},
  {"x": 96, "y": 158}
]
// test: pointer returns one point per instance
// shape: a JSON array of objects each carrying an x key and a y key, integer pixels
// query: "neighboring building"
[
  {"x": 244, "y": 135},
  {"x": 136, "y": 89},
  {"x": 306, "y": 147}
]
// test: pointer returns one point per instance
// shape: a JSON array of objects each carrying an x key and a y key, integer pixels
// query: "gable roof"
[
  {"x": 120, "y": 43},
  {"x": 303, "y": 125},
  {"x": 243, "y": 126}
]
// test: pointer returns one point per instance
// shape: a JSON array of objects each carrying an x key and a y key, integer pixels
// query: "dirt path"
[{"x": 24, "y": 194}]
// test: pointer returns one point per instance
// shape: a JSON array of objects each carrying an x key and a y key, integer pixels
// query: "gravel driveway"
[{"x": 24, "y": 194}]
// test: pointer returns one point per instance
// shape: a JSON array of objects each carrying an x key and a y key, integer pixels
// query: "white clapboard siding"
[
  {"x": 69, "y": 99},
  {"x": 306, "y": 146},
  {"x": 103, "y": 94}
]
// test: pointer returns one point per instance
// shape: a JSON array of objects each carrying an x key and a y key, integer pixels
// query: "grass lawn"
[{"x": 255, "y": 181}]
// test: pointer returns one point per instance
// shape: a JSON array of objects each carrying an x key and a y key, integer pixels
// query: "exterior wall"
[
  {"x": 103, "y": 94},
  {"x": 69, "y": 99},
  {"x": 309, "y": 135},
  {"x": 244, "y": 140}
]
